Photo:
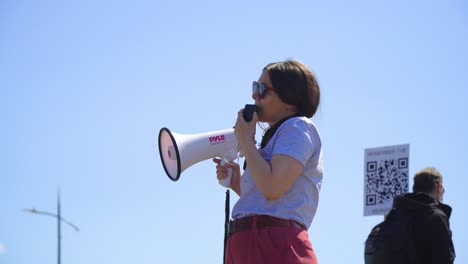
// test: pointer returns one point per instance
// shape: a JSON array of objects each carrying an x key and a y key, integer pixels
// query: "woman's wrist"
[
  {"x": 236, "y": 189},
  {"x": 247, "y": 145}
]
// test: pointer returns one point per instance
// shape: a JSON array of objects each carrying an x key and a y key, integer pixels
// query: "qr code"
[{"x": 386, "y": 179}]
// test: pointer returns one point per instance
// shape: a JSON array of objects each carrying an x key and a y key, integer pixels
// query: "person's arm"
[{"x": 273, "y": 178}]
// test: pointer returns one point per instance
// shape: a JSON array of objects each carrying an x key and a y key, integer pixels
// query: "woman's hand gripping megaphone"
[
  {"x": 228, "y": 174},
  {"x": 226, "y": 182},
  {"x": 227, "y": 171}
]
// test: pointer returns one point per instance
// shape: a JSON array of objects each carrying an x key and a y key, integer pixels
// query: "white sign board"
[{"x": 386, "y": 172}]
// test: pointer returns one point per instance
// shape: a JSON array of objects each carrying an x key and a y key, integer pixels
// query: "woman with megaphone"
[{"x": 279, "y": 187}]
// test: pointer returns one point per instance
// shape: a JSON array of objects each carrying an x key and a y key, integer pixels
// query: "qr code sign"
[
  {"x": 386, "y": 176},
  {"x": 385, "y": 180}
]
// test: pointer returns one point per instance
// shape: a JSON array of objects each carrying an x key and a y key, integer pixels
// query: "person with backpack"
[{"x": 417, "y": 228}]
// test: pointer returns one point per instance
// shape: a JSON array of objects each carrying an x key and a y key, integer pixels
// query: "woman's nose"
[{"x": 255, "y": 96}]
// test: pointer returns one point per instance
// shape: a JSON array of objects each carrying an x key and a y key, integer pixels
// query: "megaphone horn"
[{"x": 179, "y": 151}]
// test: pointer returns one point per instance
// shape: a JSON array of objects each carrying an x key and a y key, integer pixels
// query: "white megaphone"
[{"x": 178, "y": 151}]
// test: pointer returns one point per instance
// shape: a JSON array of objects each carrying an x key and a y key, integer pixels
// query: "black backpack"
[{"x": 392, "y": 241}]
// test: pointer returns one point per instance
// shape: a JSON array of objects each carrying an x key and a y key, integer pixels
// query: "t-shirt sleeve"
[{"x": 296, "y": 142}]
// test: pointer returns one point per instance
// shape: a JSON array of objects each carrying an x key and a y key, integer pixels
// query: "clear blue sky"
[{"x": 86, "y": 86}]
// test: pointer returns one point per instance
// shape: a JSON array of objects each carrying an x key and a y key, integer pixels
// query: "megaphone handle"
[{"x": 226, "y": 182}]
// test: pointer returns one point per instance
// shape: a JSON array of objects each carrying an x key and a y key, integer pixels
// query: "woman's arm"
[{"x": 272, "y": 178}]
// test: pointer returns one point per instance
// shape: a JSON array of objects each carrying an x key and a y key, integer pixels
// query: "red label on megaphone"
[{"x": 217, "y": 139}]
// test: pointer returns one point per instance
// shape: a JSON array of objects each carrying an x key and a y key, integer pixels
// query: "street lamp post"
[{"x": 60, "y": 219}]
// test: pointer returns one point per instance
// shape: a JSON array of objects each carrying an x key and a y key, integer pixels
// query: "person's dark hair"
[
  {"x": 296, "y": 85},
  {"x": 426, "y": 179}
]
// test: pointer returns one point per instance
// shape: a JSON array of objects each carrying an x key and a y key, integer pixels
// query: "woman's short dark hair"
[
  {"x": 296, "y": 85},
  {"x": 426, "y": 179}
]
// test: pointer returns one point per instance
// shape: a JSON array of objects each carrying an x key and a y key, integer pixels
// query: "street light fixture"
[{"x": 59, "y": 220}]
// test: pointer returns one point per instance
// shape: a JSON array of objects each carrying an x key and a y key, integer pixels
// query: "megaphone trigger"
[{"x": 226, "y": 182}]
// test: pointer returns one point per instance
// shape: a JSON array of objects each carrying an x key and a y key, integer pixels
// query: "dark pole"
[
  {"x": 59, "y": 223},
  {"x": 58, "y": 226}
]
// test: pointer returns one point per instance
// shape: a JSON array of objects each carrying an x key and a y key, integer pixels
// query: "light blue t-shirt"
[{"x": 298, "y": 138}]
